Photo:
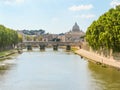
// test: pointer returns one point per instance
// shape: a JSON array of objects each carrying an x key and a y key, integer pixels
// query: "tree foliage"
[
  {"x": 105, "y": 32},
  {"x": 8, "y": 38},
  {"x": 20, "y": 37},
  {"x": 34, "y": 32}
]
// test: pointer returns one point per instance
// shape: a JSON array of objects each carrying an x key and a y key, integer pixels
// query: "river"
[{"x": 56, "y": 70}]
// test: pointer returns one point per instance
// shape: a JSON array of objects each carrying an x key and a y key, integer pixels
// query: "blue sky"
[{"x": 54, "y": 16}]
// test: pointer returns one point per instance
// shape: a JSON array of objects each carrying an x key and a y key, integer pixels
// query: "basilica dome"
[{"x": 76, "y": 28}]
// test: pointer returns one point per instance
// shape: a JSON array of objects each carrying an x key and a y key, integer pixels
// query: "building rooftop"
[{"x": 76, "y": 28}]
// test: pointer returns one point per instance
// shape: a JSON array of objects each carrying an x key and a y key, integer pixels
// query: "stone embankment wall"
[
  {"x": 103, "y": 52},
  {"x": 97, "y": 56}
]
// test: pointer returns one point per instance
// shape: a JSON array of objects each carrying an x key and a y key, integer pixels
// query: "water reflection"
[
  {"x": 106, "y": 78},
  {"x": 56, "y": 70}
]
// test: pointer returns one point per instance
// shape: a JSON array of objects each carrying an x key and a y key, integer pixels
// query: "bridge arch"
[{"x": 43, "y": 45}]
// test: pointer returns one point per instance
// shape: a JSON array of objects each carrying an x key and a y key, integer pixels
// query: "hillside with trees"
[
  {"x": 8, "y": 38},
  {"x": 104, "y": 33},
  {"x": 34, "y": 32}
]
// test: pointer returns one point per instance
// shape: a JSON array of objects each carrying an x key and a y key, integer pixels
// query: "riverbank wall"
[
  {"x": 6, "y": 54},
  {"x": 98, "y": 59}
]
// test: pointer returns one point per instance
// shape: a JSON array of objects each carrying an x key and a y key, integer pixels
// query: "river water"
[{"x": 56, "y": 70}]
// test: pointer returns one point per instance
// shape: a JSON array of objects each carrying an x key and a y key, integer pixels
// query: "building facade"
[{"x": 75, "y": 34}]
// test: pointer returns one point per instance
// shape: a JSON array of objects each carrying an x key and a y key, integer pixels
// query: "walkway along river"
[{"x": 56, "y": 70}]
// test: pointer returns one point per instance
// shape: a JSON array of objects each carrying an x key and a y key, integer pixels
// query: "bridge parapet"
[
  {"x": 42, "y": 45},
  {"x": 51, "y": 43}
]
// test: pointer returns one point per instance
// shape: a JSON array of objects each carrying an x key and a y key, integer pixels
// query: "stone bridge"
[{"x": 42, "y": 45}]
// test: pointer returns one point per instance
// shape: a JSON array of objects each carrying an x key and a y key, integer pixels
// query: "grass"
[
  {"x": 73, "y": 49},
  {"x": 6, "y": 53}
]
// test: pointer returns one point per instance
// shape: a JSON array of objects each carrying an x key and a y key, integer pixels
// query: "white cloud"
[
  {"x": 115, "y": 3},
  {"x": 55, "y": 19},
  {"x": 86, "y": 16},
  {"x": 81, "y": 7},
  {"x": 19, "y": 1},
  {"x": 12, "y": 2}
]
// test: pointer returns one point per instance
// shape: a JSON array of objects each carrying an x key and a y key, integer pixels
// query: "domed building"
[
  {"x": 76, "y": 28},
  {"x": 75, "y": 34}
]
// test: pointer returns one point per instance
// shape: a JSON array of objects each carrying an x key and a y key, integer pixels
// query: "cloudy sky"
[{"x": 54, "y": 16}]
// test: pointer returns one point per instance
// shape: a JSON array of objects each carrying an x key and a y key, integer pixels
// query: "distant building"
[
  {"x": 49, "y": 37},
  {"x": 75, "y": 34},
  {"x": 61, "y": 37},
  {"x": 76, "y": 28}
]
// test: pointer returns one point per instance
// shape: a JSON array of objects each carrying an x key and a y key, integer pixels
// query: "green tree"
[
  {"x": 8, "y": 38},
  {"x": 105, "y": 32}
]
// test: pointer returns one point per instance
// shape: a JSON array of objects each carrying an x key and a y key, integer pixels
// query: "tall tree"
[
  {"x": 8, "y": 38},
  {"x": 105, "y": 32}
]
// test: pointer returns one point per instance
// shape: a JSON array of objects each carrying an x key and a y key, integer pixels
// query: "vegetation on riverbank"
[
  {"x": 5, "y": 54},
  {"x": 8, "y": 38},
  {"x": 105, "y": 32},
  {"x": 73, "y": 49}
]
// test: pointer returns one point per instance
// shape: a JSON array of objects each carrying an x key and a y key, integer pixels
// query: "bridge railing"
[{"x": 51, "y": 43}]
